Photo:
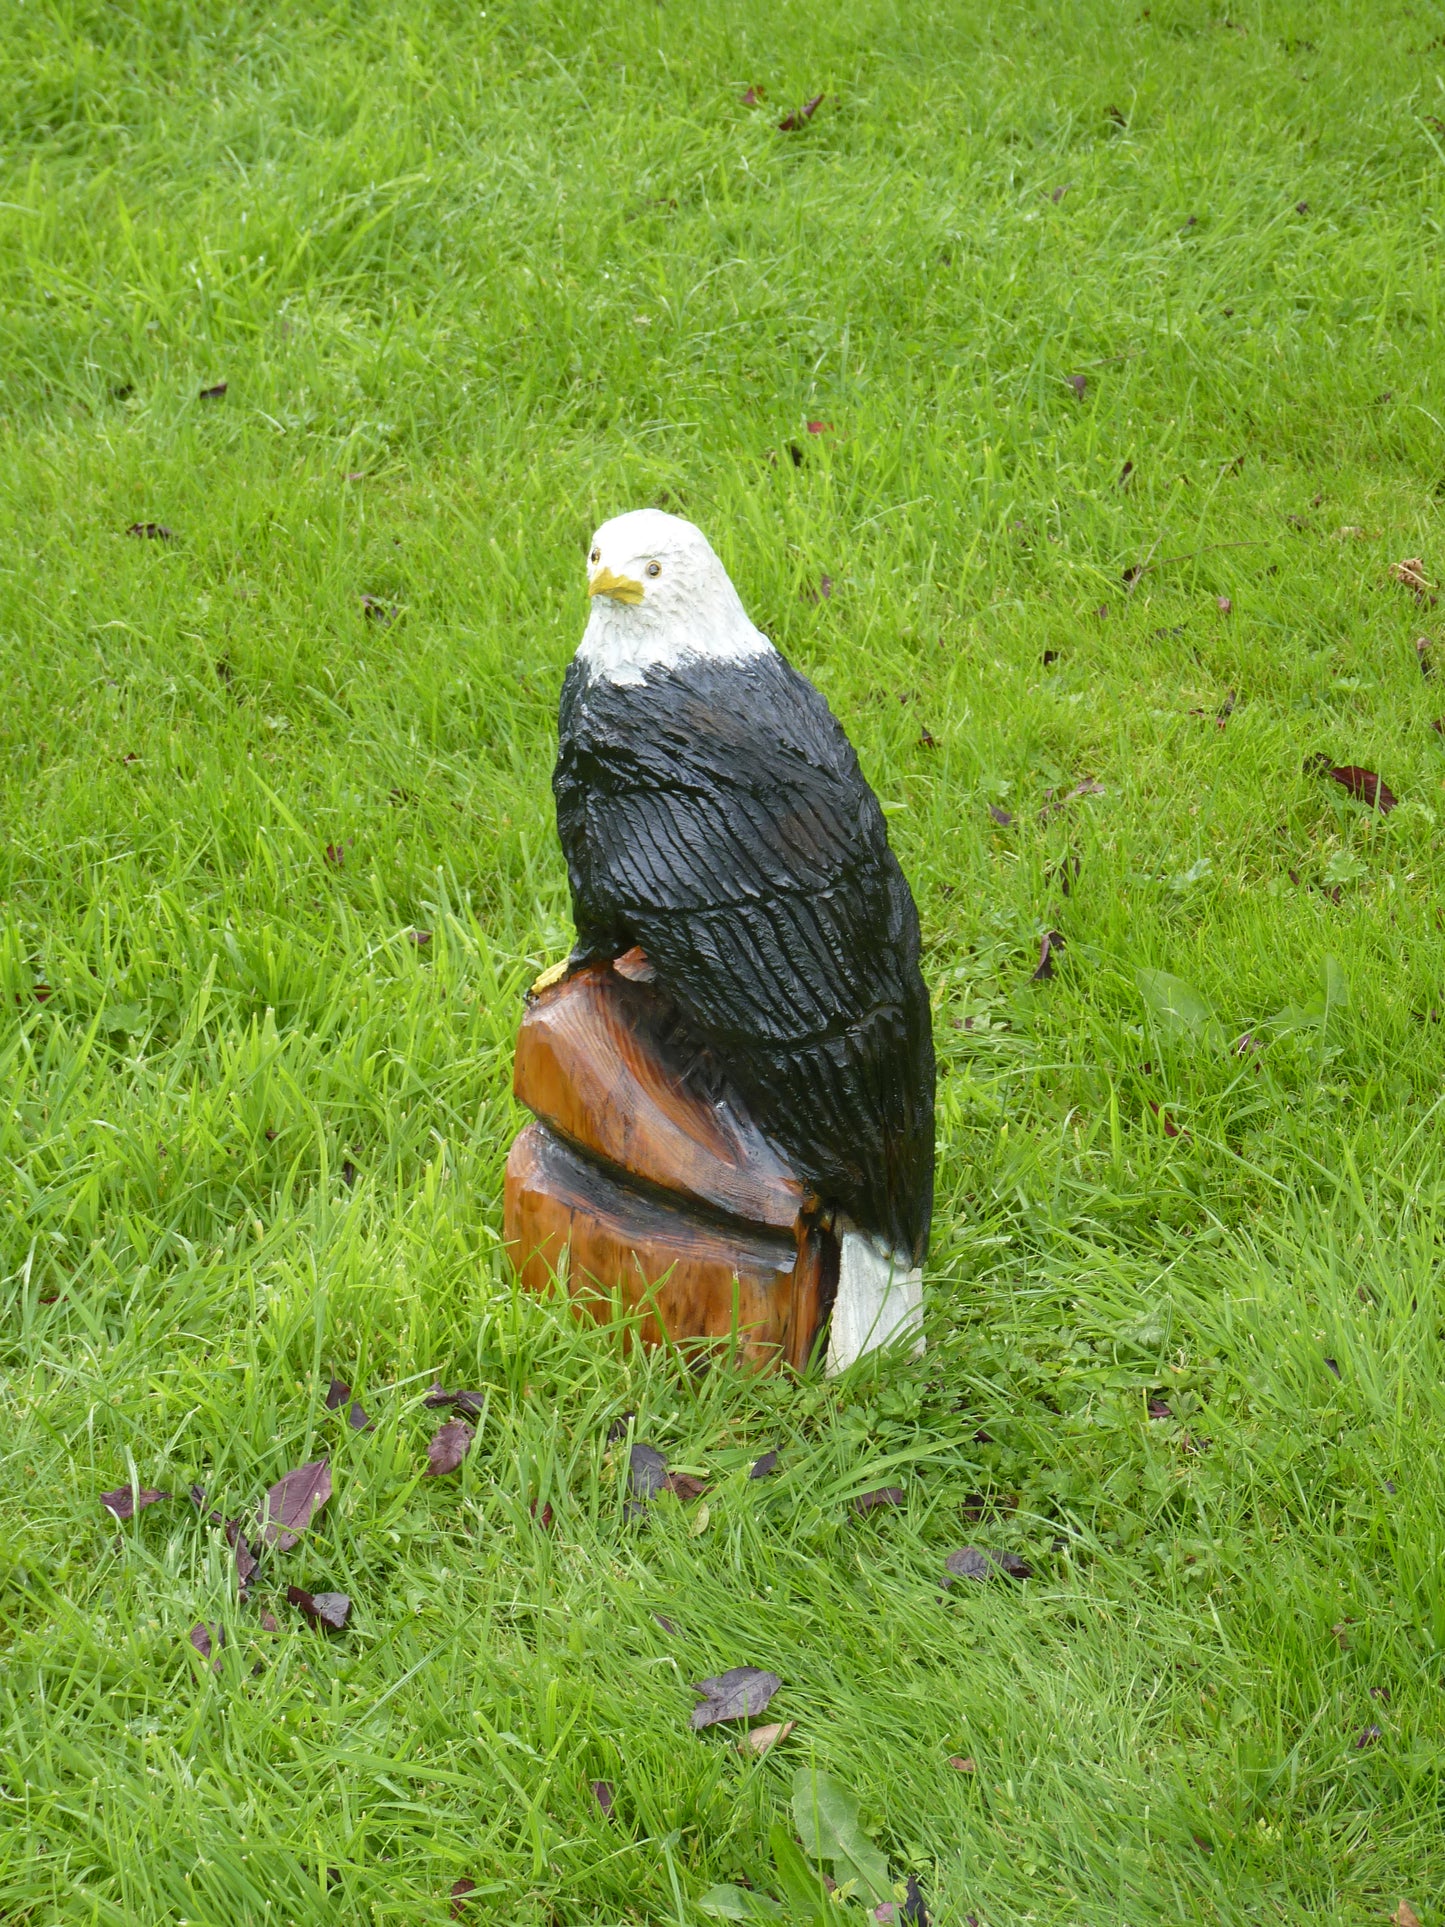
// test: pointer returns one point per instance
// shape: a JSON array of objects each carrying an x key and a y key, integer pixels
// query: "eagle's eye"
[
  {"x": 653, "y": 568},
  {"x": 596, "y": 556}
]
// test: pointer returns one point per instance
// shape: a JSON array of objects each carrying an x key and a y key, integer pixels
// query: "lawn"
[{"x": 1060, "y": 394}]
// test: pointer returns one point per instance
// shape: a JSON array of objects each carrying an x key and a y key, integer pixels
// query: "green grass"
[{"x": 474, "y": 282}]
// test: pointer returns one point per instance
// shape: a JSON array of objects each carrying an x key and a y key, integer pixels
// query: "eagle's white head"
[{"x": 660, "y": 595}]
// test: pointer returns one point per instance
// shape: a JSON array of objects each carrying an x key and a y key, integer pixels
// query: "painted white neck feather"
[{"x": 691, "y": 612}]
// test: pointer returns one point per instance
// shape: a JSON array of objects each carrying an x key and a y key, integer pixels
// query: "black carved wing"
[{"x": 717, "y": 816}]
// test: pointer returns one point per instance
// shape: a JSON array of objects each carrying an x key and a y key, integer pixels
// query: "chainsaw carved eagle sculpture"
[{"x": 713, "y": 814}]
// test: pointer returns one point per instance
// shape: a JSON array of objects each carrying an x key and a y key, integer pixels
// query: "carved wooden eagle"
[{"x": 712, "y": 812}]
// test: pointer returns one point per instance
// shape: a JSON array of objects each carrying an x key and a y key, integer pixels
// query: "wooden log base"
[
  {"x": 646, "y": 1178},
  {"x": 696, "y": 1282}
]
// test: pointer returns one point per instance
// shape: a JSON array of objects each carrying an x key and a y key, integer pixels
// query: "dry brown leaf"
[
  {"x": 963, "y": 1765},
  {"x": 1410, "y": 574},
  {"x": 1405, "y": 1915},
  {"x": 760, "y": 1738}
]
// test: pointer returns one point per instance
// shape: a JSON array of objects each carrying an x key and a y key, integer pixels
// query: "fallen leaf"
[
  {"x": 820, "y": 428},
  {"x": 1059, "y": 193},
  {"x": 960, "y": 1765},
  {"x": 336, "y": 855},
  {"x": 646, "y": 1477},
  {"x": 293, "y": 1502},
  {"x": 881, "y": 1495},
  {"x": 666, "y": 1624},
  {"x": 684, "y": 1486},
  {"x": 1012, "y": 1564},
  {"x": 1171, "y": 1129},
  {"x": 913, "y": 1908},
  {"x": 738, "y": 1694},
  {"x": 758, "y": 1739},
  {"x": 1333, "y": 1366},
  {"x": 765, "y": 1467},
  {"x": 207, "y": 1639},
  {"x": 1119, "y": 119},
  {"x": 1124, "y": 473},
  {"x": 1363, "y": 784},
  {"x": 472, "y": 1404},
  {"x": 1050, "y": 946},
  {"x": 1224, "y": 605},
  {"x": 967, "y": 1563},
  {"x": 1405, "y": 1915},
  {"x": 348, "y": 1173},
  {"x": 822, "y": 593},
  {"x": 1422, "y": 652},
  {"x": 375, "y": 610},
  {"x": 462, "y": 1888},
  {"x": 800, "y": 116},
  {"x": 150, "y": 531},
  {"x": 755, "y": 96},
  {"x": 1301, "y": 207},
  {"x": 1160, "y": 1408},
  {"x": 602, "y": 1794},
  {"x": 214, "y": 392},
  {"x": 269, "y": 1623},
  {"x": 246, "y": 1561},
  {"x": 328, "y": 1609},
  {"x": 797, "y": 454},
  {"x": 127, "y": 1500},
  {"x": 1341, "y": 1631},
  {"x": 1366, "y": 1736},
  {"x": 1002, "y": 817},
  {"x": 421, "y": 938},
  {"x": 337, "y": 1393},
  {"x": 1079, "y": 384},
  {"x": 448, "y": 1448},
  {"x": 615, "y": 1431},
  {"x": 926, "y": 739},
  {"x": 1411, "y": 575}
]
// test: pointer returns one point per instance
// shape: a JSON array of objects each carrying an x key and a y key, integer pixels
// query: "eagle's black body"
[{"x": 717, "y": 817}]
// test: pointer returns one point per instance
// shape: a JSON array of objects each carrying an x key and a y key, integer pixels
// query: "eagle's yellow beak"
[{"x": 621, "y": 588}]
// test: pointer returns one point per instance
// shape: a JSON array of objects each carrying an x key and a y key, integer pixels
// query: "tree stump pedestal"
[{"x": 644, "y": 1184}]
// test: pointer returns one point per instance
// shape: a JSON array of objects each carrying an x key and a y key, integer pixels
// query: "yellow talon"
[{"x": 549, "y": 977}]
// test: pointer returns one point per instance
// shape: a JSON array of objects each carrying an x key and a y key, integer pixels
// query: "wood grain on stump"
[{"x": 646, "y": 1182}]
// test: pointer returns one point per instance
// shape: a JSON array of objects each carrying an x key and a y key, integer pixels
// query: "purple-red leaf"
[
  {"x": 208, "y": 1640},
  {"x": 967, "y": 1563},
  {"x": 246, "y": 1560},
  {"x": 602, "y": 1794},
  {"x": 462, "y": 1888},
  {"x": 737, "y": 1694},
  {"x": 150, "y": 531},
  {"x": 328, "y": 1609},
  {"x": 646, "y": 1471},
  {"x": 765, "y": 1467},
  {"x": 448, "y": 1448},
  {"x": 800, "y": 116},
  {"x": 1079, "y": 384},
  {"x": 1363, "y": 784},
  {"x": 1002, "y": 817},
  {"x": 337, "y": 1393},
  {"x": 293, "y": 1502},
  {"x": 1051, "y": 944},
  {"x": 214, "y": 392},
  {"x": 471, "y": 1404},
  {"x": 127, "y": 1500},
  {"x": 880, "y": 1495}
]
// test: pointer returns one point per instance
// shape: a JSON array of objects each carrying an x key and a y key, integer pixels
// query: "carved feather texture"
[{"x": 716, "y": 815}]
